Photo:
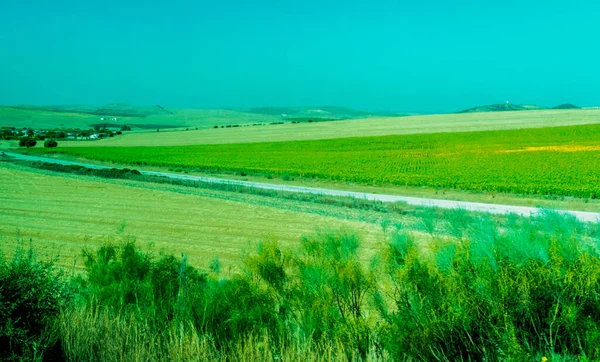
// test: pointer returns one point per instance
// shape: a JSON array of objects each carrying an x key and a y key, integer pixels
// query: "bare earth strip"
[{"x": 415, "y": 201}]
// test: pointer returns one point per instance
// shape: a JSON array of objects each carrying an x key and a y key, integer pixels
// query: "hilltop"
[
  {"x": 114, "y": 109},
  {"x": 566, "y": 106},
  {"x": 502, "y": 107},
  {"x": 507, "y": 107},
  {"x": 323, "y": 112}
]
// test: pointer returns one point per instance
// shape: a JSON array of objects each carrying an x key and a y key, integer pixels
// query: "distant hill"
[
  {"x": 116, "y": 110},
  {"x": 502, "y": 107},
  {"x": 117, "y": 115},
  {"x": 566, "y": 106},
  {"x": 322, "y": 112}
]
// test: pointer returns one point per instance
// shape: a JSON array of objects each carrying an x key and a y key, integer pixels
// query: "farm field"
[
  {"x": 62, "y": 214},
  {"x": 376, "y": 126},
  {"x": 556, "y": 161}
]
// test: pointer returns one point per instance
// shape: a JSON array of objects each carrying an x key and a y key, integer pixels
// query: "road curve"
[{"x": 416, "y": 201}]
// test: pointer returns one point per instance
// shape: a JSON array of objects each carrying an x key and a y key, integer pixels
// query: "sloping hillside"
[
  {"x": 502, "y": 107},
  {"x": 324, "y": 112},
  {"x": 117, "y": 115},
  {"x": 566, "y": 106}
]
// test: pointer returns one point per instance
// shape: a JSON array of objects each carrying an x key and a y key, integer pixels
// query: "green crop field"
[
  {"x": 558, "y": 161},
  {"x": 377, "y": 126},
  {"x": 62, "y": 214}
]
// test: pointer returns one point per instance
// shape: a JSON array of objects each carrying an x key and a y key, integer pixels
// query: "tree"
[
  {"x": 7, "y": 134},
  {"x": 27, "y": 142},
  {"x": 125, "y": 128},
  {"x": 50, "y": 144}
]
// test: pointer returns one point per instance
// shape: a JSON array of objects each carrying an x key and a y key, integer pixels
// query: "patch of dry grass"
[{"x": 62, "y": 215}]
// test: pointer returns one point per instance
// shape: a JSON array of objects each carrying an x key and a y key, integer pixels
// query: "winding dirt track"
[{"x": 416, "y": 201}]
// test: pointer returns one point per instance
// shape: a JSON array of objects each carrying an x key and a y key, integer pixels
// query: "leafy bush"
[
  {"x": 122, "y": 277},
  {"x": 81, "y": 170},
  {"x": 27, "y": 142},
  {"x": 50, "y": 144},
  {"x": 31, "y": 297},
  {"x": 532, "y": 290},
  {"x": 478, "y": 289}
]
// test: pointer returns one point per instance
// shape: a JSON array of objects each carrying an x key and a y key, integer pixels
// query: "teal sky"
[{"x": 412, "y": 56}]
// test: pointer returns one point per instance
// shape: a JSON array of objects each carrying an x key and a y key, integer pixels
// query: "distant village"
[{"x": 97, "y": 132}]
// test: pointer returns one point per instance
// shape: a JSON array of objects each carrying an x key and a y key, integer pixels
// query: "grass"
[
  {"x": 543, "y": 161},
  {"x": 377, "y": 126},
  {"x": 63, "y": 213}
]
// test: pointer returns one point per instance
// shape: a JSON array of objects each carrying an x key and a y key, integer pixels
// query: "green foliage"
[
  {"x": 321, "y": 290},
  {"x": 50, "y": 144},
  {"x": 532, "y": 290},
  {"x": 31, "y": 296},
  {"x": 122, "y": 277},
  {"x": 80, "y": 170},
  {"x": 547, "y": 161},
  {"x": 487, "y": 289},
  {"x": 27, "y": 142}
]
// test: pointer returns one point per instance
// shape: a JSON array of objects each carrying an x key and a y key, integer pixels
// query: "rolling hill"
[
  {"x": 324, "y": 112},
  {"x": 140, "y": 118},
  {"x": 566, "y": 106},
  {"x": 502, "y": 107}
]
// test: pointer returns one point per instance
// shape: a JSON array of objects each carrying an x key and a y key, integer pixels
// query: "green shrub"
[
  {"x": 27, "y": 142},
  {"x": 532, "y": 289},
  {"x": 480, "y": 288},
  {"x": 50, "y": 144},
  {"x": 31, "y": 297},
  {"x": 123, "y": 277}
]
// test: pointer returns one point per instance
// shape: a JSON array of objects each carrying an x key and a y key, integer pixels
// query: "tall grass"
[{"x": 481, "y": 290}]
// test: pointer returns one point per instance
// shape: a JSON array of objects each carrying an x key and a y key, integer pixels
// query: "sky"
[{"x": 424, "y": 56}]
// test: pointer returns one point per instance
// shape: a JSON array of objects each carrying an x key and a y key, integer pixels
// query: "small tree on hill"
[
  {"x": 27, "y": 142},
  {"x": 50, "y": 144}
]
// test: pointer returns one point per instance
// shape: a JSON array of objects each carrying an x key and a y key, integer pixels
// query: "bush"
[
  {"x": 31, "y": 297},
  {"x": 27, "y": 142},
  {"x": 513, "y": 289},
  {"x": 528, "y": 291},
  {"x": 50, "y": 144}
]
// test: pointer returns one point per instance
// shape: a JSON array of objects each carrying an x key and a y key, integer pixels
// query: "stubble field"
[{"x": 62, "y": 214}]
